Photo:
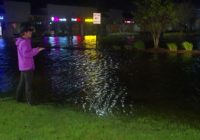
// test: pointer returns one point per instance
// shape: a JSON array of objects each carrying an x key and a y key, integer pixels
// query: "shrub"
[
  {"x": 116, "y": 47},
  {"x": 172, "y": 47},
  {"x": 128, "y": 47},
  {"x": 139, "y": 45},
  {"x": 111, "y": 40},
  {"x": 187, "y": 46}
]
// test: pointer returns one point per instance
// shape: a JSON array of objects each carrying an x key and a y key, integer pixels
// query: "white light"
[
  {"x": 73, "y": 19},
  {"x": 129, "y": 22},
  {"x": 52, "y": 18},
  {"x": 97, "y": 18},
  {"x": 63, "y": 19}
]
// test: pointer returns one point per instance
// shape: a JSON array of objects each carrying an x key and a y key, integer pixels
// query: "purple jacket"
[{"x": 26, "y": 54}]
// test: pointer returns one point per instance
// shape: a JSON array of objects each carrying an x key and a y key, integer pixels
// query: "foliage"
[
  {"x": 184, "y": 14},
  {"x": 155, "y": 16},
  {"x": 110, "y": 40},
  {"x": 172, "y": 47},
  {"x": 187, "y": 46},
  {"x": 116, "y": 47},
  {"x": 139, "y": 45}
]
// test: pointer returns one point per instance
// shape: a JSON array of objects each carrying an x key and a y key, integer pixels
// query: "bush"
[
  {"x": 119, "y": 40},
  {"x": 139, "y": 45},
  {"x": 187, "y": 46},
  {"x": 128, "y": 47},
  {"x": 172, "y": 47},
  {"x": 116, "y": 47}
]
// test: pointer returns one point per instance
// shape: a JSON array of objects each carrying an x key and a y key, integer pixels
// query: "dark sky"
[
  {"x": 90, "y": 3},
  {"x": 121, "y": 4}
]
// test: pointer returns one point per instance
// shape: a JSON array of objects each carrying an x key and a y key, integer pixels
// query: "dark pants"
[{"x": 26, "y": 78}]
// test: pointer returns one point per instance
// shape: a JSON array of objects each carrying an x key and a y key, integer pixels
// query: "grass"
[
  {"x": 174, "y": 34},
  {"x": 169, "y": 34},
  {"x": 55, "y": 122}
]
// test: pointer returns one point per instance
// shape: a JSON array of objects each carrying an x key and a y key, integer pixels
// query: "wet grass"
[{"x": 20, "y": 121}]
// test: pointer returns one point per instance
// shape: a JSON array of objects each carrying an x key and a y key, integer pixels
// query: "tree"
[
  {"x": 184, "y": 14},
  {"x": 155, "y": 16}
]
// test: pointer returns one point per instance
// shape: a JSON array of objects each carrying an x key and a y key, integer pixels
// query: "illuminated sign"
[
  {"x": 90, "y": 37},
  {"x": 89, "y": 20},
  {"x": 76, "y": 19},
  {"x": 97, "y": 18},
  {"x": 62, "y": 19},
  {"x": 57, "y": 19}
]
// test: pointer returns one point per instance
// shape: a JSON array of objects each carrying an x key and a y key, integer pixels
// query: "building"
[
  {"x": 55, "y": 19},
  {"x": 15, "y": 14},
  {"x": 65, "y": 19}
]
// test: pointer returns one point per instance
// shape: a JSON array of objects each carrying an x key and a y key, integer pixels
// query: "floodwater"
[{"x": 104, "y": 82}]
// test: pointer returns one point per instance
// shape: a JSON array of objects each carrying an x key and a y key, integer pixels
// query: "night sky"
[
  {"x": 120, "y": 4},
  {"x": 90, "y": 3}
]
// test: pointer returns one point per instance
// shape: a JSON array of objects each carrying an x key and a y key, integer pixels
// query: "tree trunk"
[{"x": 156, "y": 39}]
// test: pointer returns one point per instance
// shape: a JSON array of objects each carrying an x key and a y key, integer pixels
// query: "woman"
[{"x": 26, "y": 64}]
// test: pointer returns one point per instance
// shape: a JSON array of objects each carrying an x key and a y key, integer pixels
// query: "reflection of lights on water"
[
  {"x": 62, "y": 42},
  {"x": 90, "y": 41},
  {"x": 91, "y": 53},
  {"x": 2, "y": 43},
  {"x": 75, "y": 41},
  {"x": 57, "y": 41},
  {"x": 53, "y": 41}
]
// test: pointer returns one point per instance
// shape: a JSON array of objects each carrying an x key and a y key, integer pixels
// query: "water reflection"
[
  {"x": 103, "y": 82},
  {"x": 76, "y": 40},
  {"x": 2, "y": 43},
  {"x": 7, "y": 68},
  {"x": 56, "y": 41},
  {"x": 88, "y": 80},
  {"x": 71, "y": 41},
  {"x": 90, "y": 41}
]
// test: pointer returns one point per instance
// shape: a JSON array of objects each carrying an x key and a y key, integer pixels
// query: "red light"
[{"x": 78, "y": 19}]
